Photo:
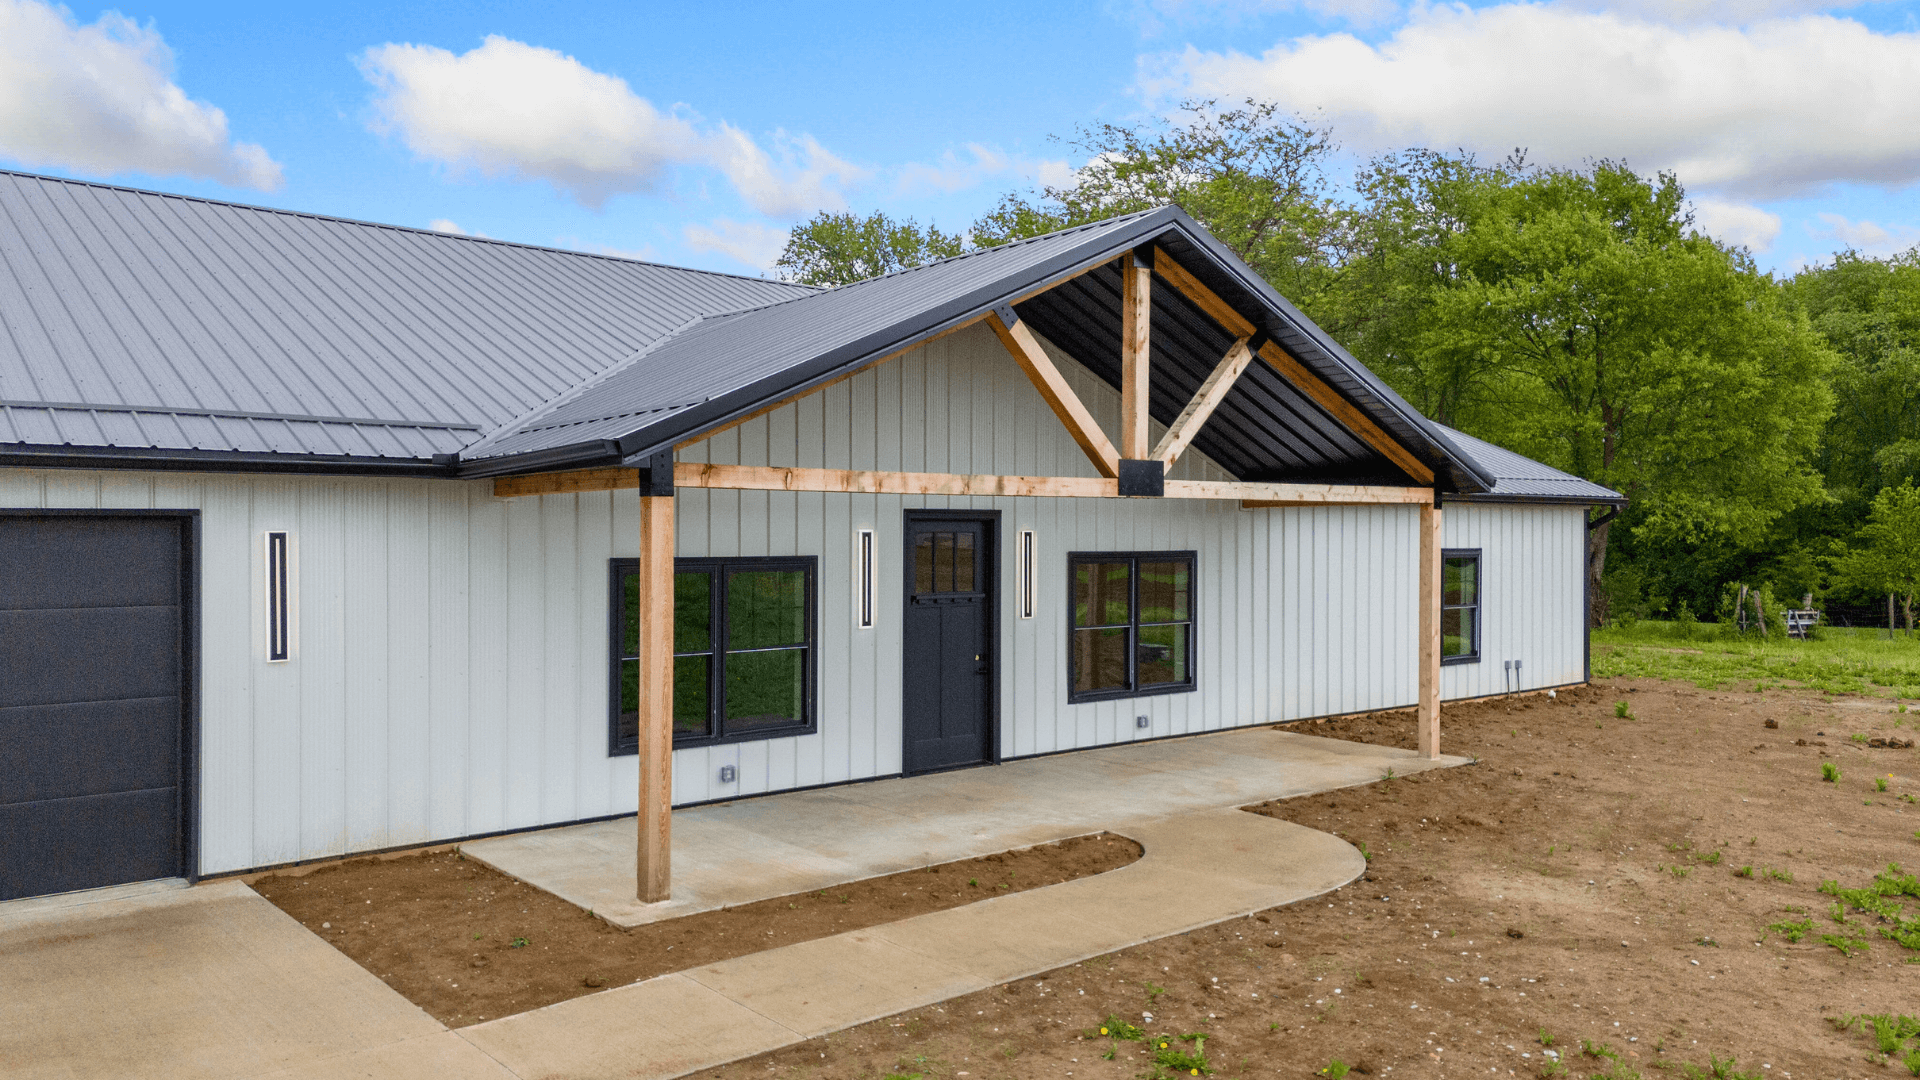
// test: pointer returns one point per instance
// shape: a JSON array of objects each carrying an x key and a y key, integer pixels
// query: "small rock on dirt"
[
  {"x": 594, "y": 980},
  {"x": 1515, "y": 934},
  {"x": 1772, "y": 723}
]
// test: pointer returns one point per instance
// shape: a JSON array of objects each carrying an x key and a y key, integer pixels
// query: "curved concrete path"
[{"x": 1198, "y": 869}]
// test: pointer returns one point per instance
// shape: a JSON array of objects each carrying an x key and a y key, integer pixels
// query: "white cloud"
[
  {"x": 1721, "y": 11},
  {"x": 951, "y": 174},
  {"x": 508, "y": 108},
  {"x": 445, "y": 225},
  {"x": 749, "y": 243},
  {"x": 101, "y": 99},
  {"x": 1736, "y": 223},
  {"x": 1782, "y": 107},
  {"x": 1866, "y": 237}
]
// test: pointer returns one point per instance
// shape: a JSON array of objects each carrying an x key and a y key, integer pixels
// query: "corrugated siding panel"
[
  {"x": 1531, "y": 599},
  {"x": 450, "y": 652}
]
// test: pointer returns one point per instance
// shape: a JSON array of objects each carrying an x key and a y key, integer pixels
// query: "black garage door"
[{"x": 93, "y": 699}]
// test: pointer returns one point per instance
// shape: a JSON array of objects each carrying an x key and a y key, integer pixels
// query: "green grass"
[{"x": 1837, "y": 659}]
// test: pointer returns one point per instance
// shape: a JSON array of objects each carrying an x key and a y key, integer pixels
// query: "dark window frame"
[
  {"x": 619, "y": 570},
  {"x": 1133, "y": 689},
  {"x": 1477, "y": 607}
]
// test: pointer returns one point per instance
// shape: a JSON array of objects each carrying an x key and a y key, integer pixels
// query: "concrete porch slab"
[{"x": 753, "y": 849}]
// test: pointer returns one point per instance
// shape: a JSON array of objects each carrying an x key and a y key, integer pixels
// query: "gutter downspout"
[{"x": 1586, "y": 592}]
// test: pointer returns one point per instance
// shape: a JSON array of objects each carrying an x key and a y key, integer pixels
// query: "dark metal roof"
[
  {"x": 141, "y": 321},
  {"x": 1521, "y": 479}
]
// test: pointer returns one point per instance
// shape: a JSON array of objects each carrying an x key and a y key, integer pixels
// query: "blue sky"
[{"x": 697, "y": 134}]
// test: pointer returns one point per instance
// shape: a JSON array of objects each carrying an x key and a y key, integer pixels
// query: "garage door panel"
[
  {"x": 54, "y": 562},
  {"x": 64, "y": 844},
  {"x": 88, "y": 654},
  {"x": 92, "y": 748}
]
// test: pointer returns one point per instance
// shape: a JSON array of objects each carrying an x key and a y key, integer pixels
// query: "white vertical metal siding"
[
  {"x": 450, "y": 667},
  {"x": 1530, "y": 595}
]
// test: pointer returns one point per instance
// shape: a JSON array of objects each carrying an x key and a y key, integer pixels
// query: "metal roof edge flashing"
[{"x": 26, "y": 456}]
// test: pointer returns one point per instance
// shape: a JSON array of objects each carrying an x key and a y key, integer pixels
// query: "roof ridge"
[{"x": 403, "y": 228}]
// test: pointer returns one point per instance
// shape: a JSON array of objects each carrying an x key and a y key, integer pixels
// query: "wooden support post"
[
  {"x": 1136, "y": 314},
  {"x": 653, "y": 865},
  {"x": 1428, "y": 716}
]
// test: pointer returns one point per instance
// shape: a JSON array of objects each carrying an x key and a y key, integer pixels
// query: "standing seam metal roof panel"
[{"x": 117, "y": 297}]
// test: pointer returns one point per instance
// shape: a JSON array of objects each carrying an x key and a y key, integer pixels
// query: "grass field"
[{"x": 1836, "y": 660}]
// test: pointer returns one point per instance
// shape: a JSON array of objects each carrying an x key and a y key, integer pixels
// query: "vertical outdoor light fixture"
[
  {"x": 866, "y": 576},
  {"x": 1029, "y": 563},
  {"x": 278, "y": 597}
]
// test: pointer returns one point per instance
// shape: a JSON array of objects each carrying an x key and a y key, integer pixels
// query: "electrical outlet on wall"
[
  {"x": 1142, "y": 722},
  {"x": 728, "y": 774}
]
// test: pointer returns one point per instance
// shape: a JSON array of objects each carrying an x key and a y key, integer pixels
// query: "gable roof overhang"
[{"x": 1066, "y": 286}]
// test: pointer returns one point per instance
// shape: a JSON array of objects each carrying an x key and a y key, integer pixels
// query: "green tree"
[
  {"x": 839, "y": 249},
  {"x": 1575, "y": 315},
  {"x": 1869, "y": 309},
  {"x": 1257, "y": 178},
  {"x": 1888, "y": 558}
]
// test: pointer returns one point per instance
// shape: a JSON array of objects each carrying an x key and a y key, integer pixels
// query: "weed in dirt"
[
  {"x": 1849, "y": 944},
  {"x": 1335, "y": 1069},
  {"x": 519, "y": 943},
  {"x": 1879, "y": 783},
  {"x": 1623, "y": 710},
  {"x": 1779, "y": 875},
  {"x": 1858, "y": 737},
  {"x": 1744, "y": 871},
  {"x": 1829, "y": 772},
  {"x": 1116, "y": 1028},
  {"x": 1364, "y": 853},
  {"x": 1679, "y": 871},
  {"x": 1718, "y": 1068},
  {"x": 1792, "y": 931},
  {"x": 1712, "y": 858},
  {"x": 1546, "y": 1037}
]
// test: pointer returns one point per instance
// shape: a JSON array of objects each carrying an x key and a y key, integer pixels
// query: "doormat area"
[{"x": 468, "y": 943}]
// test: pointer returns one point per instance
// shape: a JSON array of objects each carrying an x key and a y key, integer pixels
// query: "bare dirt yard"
[
  {"x": 466, "y": 942},
  {"x": 1627, "y": 883}
]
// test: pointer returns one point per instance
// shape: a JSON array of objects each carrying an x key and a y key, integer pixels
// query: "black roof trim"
[{"x": 113, "y": 457}]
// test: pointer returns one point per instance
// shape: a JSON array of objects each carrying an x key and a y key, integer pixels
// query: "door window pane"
[
  {"x": 1101, "y": 593},
  {"x": 765, "y": 689},
  {"x": 766, "y": 608},
  {"x": 963, "y": 563},
  {"x": 1100, "y": 660},
  {"x": 923, "y": 563},
  {"x": 1164, "y": 588},
  {"x": 1163, "y": 654}
]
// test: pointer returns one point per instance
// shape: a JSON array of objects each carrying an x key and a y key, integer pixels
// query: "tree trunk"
[{"x": 1596, "y": 568}]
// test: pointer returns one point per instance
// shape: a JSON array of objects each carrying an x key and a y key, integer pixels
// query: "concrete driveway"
[{"x": 210, "y": 983}]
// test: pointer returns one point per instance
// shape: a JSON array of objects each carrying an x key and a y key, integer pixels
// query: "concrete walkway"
[
  {"x": 216, "y": 982},
  {"x": 734, "y": 853}
]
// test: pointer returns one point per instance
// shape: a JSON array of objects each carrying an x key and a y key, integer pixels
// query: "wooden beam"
[
  {"x": 653, "y": 862},
  {"x": 1427, "y": 717},
  {"x": 1296, "y": 373},
  {"x": 565, "y": 483},
  {"x": 1136, "y": 351},
  {"x": 694, "y": 474},
  {"x": 1205, "y": 400},
  {"x": 1055, "y": 390}
]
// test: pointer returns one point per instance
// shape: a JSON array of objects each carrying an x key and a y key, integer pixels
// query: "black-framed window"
[
  {"x": 1460, "y": 606},
  {"x": 743, "y": 650},
  {"x": 1129, "y": 624}
]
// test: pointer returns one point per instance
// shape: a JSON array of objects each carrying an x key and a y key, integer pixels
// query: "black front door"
[{"x": 950, "y": 652}]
